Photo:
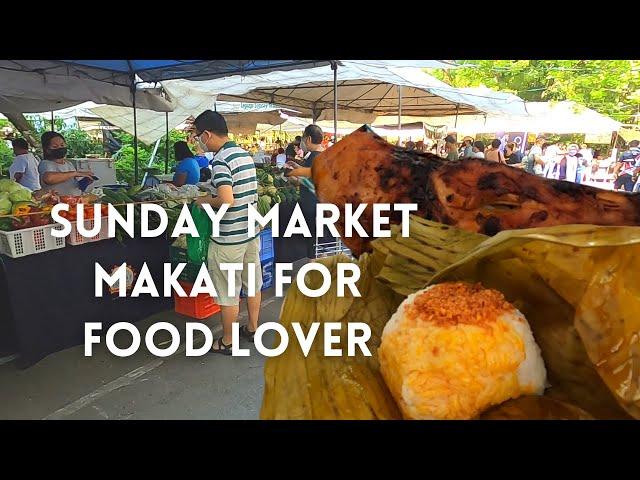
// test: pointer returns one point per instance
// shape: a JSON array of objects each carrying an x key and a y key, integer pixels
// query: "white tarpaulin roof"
[
  {"x": 241, "y": 118},
  {"x": 550, "y": 117},
  {"x": 366, "y": 90}
]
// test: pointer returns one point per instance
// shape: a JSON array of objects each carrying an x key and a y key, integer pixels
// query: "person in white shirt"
[
  {"x": 281, "y": 158},
  {"x": 586, "y": 153},
  {"x": 24, "y": 168},
  {"x": 478, "y": 150}
]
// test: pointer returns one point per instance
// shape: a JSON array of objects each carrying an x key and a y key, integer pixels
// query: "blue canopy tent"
[{"x": 47, "y": 85}]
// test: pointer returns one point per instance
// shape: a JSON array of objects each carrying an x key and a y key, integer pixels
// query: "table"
[{"x": 46, "y": 298}]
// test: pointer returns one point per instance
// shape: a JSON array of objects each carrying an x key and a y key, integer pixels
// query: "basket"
[
  {"x": 267, "y": 265},
  {"x": 200, "y": 307},
  {"x": 75, "y": 238},
  {"x": 266, "y": 244},
  {"x": 28, "y": 241}
]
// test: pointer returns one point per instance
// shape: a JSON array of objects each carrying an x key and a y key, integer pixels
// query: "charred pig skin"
[{"x": 473, "y": 194}]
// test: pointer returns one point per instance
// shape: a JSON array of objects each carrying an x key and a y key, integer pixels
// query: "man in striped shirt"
[{"x": 234, "y": 183}]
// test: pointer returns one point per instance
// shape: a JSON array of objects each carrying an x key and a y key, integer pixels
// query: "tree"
[{"x": 611, "y": 87}]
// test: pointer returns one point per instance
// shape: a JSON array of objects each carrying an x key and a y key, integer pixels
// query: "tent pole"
[
  {"x": 455, "y": 125},
  {"x": 166, "y": 143},
  {"x": 135, "y": 136},
  {"x": 53, "y": 124},
  {"x": 334, "y": 67},
  {"x": 399, "y": 112}
]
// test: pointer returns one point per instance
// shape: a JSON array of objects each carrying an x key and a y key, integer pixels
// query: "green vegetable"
[
  {"x": 20, "y": 195},
  {"x": 5, "y": 206},
  {"x": 5, "y": 183}
]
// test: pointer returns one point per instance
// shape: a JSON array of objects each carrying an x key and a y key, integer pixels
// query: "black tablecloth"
[
  {"x": 46, "y": 298},
  {"x": 288, "y": 250}
]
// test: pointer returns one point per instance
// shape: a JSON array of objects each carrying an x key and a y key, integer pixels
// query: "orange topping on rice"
[{"x": 453, "y": 303}]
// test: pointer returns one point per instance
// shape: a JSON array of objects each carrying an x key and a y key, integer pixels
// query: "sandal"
[
  {"x": 245, "y": 333},
  {"x": 222, "y": 349}
]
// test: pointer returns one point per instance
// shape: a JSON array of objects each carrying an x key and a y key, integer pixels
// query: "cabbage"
[
  {"x": 20, "y": 195},
  {"x": 13, "y": 187},
  {"x": 5, "y": 183},
  {"x": 5, "y": 206}
]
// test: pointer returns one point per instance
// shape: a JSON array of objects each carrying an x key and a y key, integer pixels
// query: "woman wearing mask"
[{"x": 56, "y": 172}]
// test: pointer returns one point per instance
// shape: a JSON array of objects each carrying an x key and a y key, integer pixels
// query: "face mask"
[
  {"x": 303, "y": 146},
  {"x": 58, "y": 153},
  {"x": 202, "y": 145}
]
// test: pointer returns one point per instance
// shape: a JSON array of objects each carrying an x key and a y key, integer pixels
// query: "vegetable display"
[{"x": 273, "y": 188}]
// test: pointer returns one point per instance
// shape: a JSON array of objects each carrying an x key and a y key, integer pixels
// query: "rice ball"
[{"x": 455, "y": 349}]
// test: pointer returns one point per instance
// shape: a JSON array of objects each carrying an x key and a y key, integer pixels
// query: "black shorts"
[{"x": 625, "y": 180}]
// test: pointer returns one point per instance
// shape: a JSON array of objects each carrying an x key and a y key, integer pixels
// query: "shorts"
[
  {"x": 625, "y": 180},
  {"x": 246, "y": 253}
]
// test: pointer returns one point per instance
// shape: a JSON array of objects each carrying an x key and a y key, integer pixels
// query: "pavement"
[{"x": 68, "y": 385}]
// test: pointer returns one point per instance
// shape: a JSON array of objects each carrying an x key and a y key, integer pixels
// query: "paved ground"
[{"x": 68, "y": 385}]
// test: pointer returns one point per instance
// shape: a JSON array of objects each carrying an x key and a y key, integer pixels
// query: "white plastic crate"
[
  {"x": 75, "y": 238},
  {"x": 28, "y": 241}
]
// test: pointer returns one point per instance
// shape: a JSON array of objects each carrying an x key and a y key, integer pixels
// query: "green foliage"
[
  {"x": 611, "y": 87},
  {"x": 6, "y": 157},
  {"x": 125, "y": 168}
]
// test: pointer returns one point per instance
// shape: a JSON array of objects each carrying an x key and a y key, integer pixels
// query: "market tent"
[
  {"x": 152, "y": 126},
  {"x": 549, "y": 117},
  {"x": 45, "y": 85},
  {"x": 365, "y": 91},
  {"x": 161, "y": 70}
]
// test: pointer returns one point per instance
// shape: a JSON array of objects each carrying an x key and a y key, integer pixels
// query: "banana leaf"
[{"x": 573, "y": 283}]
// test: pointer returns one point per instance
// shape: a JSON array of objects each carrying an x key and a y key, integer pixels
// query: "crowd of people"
[{"x": 546, "y": 158}]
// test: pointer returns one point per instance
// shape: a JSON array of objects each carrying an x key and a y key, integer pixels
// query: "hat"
[{"x": 449, "y": 139}]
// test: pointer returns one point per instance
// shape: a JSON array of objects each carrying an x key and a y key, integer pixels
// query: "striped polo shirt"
[{"x": 234, "y": 166}]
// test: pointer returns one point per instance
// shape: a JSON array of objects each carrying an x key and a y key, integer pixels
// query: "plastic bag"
[{"x": 198, "y": 247}]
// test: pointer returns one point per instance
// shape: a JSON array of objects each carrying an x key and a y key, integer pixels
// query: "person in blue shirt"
[{"x": 188, "y": 168}]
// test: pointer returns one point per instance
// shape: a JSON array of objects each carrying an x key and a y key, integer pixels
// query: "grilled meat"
[{"x": 474, "y": 194}]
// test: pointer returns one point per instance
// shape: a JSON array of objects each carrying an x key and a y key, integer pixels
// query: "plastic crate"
[
  {"x": 199, "y": 307},
  {"x": 268, "y": 269},
  {"x": 75, "y": 238},
  {"x": 28, "y": 241},
  {"x": 266, "y": 244},
  {"x": 191, "y": 270}
]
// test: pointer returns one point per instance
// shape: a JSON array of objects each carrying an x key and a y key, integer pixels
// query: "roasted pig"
[{"x": 475, "y": 195}]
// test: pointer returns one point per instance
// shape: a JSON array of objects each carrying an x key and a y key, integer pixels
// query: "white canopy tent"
[
  {"x": 364, "y": 91},
  {"x": 544, "y": 117}
]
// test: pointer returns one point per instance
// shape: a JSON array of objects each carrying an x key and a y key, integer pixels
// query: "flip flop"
[{"x": 222, "y": 349}]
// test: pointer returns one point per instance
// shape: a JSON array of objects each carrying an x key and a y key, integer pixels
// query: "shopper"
[
  {"x": 467, "y": 147},
  {"x": 477, "y": 149},
  {"x": 24, "y": 168},
  {"x": 281, "y": 158},
  {"x": 450, "y": 148},
  {"x": 234, "y": 183},
  {"x": 512, "y": 155},
  {"x": 626, "y": 167},
  {"x": 535, "y": 161},
  {"x": 188, "y": 168},
  {"x": 311, "y": 145},
  {"x": 494, "y": 154},
  {"x": 291, "y": 150}
]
